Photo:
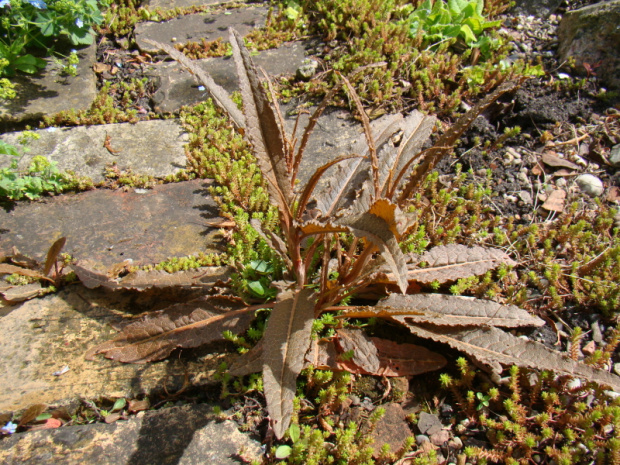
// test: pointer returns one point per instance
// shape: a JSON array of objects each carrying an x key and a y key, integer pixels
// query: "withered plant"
[{"x": 338, "y": 238}]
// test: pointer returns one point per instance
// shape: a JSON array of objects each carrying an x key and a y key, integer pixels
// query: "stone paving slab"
[
  {"x": 177, "y": 87},
  {"x": 171, "y": 4},
  {"x": 41, "y": 336},
  {"x": 49, "y": 92},
  {"x": 178, "y": 435},
  {"x": 154, "y": 148},
  {"x": 193, "y": 28},
  {"x": 108, "y": 227}
]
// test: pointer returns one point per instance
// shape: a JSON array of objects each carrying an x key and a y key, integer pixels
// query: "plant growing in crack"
[{"x": 338, "y": 238}]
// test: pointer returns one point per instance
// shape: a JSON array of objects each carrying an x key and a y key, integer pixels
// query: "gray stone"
[
  {"x": 177, "y": 87},
  {"x": 614, "y": 156},
  {"x": 591, "y": 35},
  {"x": 590, "y": 185},
  {"x": 49, "y": 92},
  {"x": 153, "y": 148},
  {"x": 307, "y": 70},
  {"x": 171, "y": 4},
  {"x": 540, "y": 8},
  {"x": 108, "y": 227},
  {"x": 526, "y": 197},
  {"x": 41, "y": 336},
  {"x": 194, "y": 28},
  {"x": 429, "y": 423},
  {"x": 421, "y": 439},
  {"x": 179, "y": 435}
]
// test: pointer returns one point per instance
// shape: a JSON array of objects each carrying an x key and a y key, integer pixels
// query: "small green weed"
[{"x": 41, "y": 177}]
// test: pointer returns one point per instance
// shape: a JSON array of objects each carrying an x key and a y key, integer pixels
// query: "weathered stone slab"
[
  {"x": 109, "y": 227},
  {"x": 193, "y": 28},
  {"x": 49, "y": 92},
  {"x": 178, "y": 435},
  {"x": 153, "y": 148},
  {"x": 591, "y": 36},
  {"x": 41, "y": 336},
  {"x": 177, "y": 87},
  {"x": 171, "y": 4}
]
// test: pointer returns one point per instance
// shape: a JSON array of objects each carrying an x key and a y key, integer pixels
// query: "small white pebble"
[{"x": 612, "y": 394}]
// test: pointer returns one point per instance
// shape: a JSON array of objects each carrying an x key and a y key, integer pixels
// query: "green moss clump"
[{"x": 114, "y": 103}]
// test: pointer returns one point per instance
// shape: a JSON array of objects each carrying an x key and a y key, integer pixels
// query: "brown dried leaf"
[
  {"x": 6, "y": 268},
  {"x": 52, "y": 255},
  {"x": 22, "y": 260},
  {"x": 262, "y": 128},
  {"x": 219, "y": 94},
  {"x": 405, "y": 359},
  {"x": 450, "y": 310},
  {"x": 288, "y": 333},
  {"x": 187, "y": 325},
  {"x": 21, "y": 293},
  {"x": 93, "y": 279},
  {"x": 364, "y": 351},
  {"x": 31, "y": 413},
  {"x": 494, "y": 347},
  {"x": 555, "y": 201},
  {"x": 550, "y": 159},
  {"x": 455, "y": 261},
  {"x": 322, "y": 354}
]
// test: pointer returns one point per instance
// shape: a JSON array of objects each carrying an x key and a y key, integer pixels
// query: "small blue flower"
[
  {"x": 10, "y": 427},
  {"x": 79, "y": 23},
  {"x": 40, "y": 4},
  {"x": 4, "y": 3},
  {"x": 201, "y": 88}
]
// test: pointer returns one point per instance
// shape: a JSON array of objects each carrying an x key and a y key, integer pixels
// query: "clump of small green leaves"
[
  {"x": 40, "y": 177},
  {"x": 216, "y": 151},
  {"x": 572, "y": 259},
  {"x": 30, "y": 26},
  {"x": 441, "y": 21},
  {"x": 205, "y": 49},
  {"x": 416, "y": 67},
  {"x": 122, "y": 15},
  {"x": 114, "y": 103},
  {"x": 191, "y": 262},
  {"x": 536, "y": 415},
  {"x": 335, "y": 441}
]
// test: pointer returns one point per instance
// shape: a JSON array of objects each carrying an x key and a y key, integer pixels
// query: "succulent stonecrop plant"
[{"x": 339, "y": 238}]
